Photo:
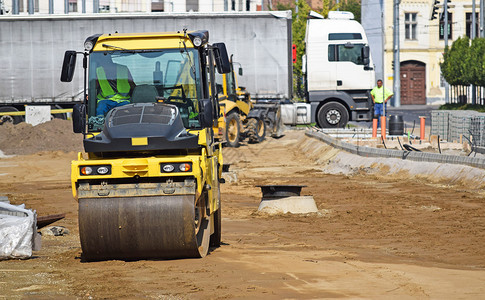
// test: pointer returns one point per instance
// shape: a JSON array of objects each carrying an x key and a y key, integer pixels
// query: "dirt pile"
[{"x": 24, "y": 139}]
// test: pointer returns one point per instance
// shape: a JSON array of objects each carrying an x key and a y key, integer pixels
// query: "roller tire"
[
  {"x": 131, "y": 228},
  {"x": 215, "y": 239}
]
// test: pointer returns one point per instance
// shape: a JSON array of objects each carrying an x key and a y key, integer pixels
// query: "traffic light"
[
  {"x": 393, "y": 64},
  {"x": 434, "y": 12}
]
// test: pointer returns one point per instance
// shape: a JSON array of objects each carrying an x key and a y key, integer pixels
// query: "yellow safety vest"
[
  {"x": 122, "y": 85},
  {"x": 380, "y": 94}
]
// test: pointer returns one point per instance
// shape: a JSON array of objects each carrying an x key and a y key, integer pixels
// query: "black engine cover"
[{"x": 161, "y": 125}]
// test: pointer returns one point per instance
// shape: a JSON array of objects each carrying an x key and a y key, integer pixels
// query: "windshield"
[{"x": 118, "y": 78}]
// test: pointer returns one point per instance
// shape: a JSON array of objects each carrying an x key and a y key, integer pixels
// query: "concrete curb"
[{"x": 405, "y": 155}]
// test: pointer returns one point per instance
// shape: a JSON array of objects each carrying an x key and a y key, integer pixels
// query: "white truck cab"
[{"x": 338, "y": 69}]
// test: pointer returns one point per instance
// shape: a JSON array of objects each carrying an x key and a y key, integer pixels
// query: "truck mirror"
[
  {"x": 366, "y": 55},
  {"x": 222, "y": 59},
  {"x": 240, "y": 71},
  {"x": 68, "y": 66},
  {"x": 349, "y": 45},
  {"x": 79, "y": 118},
  {"x": 206, "y": 115}
]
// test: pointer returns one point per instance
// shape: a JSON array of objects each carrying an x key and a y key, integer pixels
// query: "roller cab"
[{"x": 148, "y": 182}]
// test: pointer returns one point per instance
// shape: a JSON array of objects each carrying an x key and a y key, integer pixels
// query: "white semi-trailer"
[{"x": 32, "y": 47}]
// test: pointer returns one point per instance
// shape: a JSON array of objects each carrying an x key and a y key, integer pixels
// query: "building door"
[{"x": 413, "y": 83}]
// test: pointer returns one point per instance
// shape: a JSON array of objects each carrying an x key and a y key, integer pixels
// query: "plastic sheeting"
[{"x": 17, "y": 229}]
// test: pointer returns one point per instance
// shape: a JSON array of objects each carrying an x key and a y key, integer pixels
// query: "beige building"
[{"x": 422, "y": 46}]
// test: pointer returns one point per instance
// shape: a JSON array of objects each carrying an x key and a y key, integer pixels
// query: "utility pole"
[
  {"x": 397, "y": 64},
  {"x": 474, "y": 35},
  {"x": 482, "y": 18},
  {"x": 445, "y": 33}
]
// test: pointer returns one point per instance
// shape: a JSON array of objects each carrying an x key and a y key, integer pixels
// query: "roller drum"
[{"x": 141, "y": 228}]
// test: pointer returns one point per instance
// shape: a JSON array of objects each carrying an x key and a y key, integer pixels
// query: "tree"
[
  {"x": 456, "y": 59},
  {"x": 298, "y": 30},
  {"x": 476, "y": 62}
]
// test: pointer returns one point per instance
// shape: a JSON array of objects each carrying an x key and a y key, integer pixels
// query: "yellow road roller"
[{"x": 148, "y": 182}]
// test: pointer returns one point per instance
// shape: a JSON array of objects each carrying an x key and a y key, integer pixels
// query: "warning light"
[{"x": 293, "y": 47}]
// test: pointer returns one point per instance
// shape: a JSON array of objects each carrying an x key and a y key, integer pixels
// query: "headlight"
[
  {"x": 197, "y": 41},
  {"x": 102, "y": 170},
  {"x": 86, "y": 171},
  {"x": 168, "y": 168},
  {"x": 176, "y": 167},
  {"x": 184, "y": 167},
  {"x": 95, "y": 170},
  {"x": 88, "y": 45}
]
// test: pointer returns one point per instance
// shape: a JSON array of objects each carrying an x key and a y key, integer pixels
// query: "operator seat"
[{"x": 144, "y": 93}]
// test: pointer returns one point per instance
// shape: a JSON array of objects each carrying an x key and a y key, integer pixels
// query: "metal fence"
[{"x": 463, "y": 94}]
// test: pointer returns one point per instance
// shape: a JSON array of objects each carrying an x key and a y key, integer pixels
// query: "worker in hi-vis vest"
[
  {"x": 380, "y": 95},
  {"x": 114, "y": 86}
]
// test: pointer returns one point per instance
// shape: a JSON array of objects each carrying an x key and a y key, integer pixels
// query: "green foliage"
[
  {"x": 281, "y": 6},
  {"x": 476, "y": 62},
  {"x": 459, "y": 106},
  {"x": 456, "y": 61},
  {"x": 298, "y": 31},
  {"x": 351, "y": 5}
]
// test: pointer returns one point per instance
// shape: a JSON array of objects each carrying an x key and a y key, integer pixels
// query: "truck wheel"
[
  {"x": 332, "y": 115},
  {"x": 233, "y": 129},
  {"x": 256, "y": 130},
  {"x": 8, "y": 118}
]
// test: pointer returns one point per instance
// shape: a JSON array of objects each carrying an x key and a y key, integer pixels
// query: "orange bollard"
[
  {"x": 374, "y": 128},
  {"x": 422, "y": 127},
  {"x": 383, "y": 127}
]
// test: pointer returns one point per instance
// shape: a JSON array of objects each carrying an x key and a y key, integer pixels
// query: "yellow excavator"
[
  {"x": 238, "y": 120},
  {"x": 148, "y": 183}
]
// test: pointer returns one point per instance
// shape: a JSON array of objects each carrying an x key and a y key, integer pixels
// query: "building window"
[
  {"x": 442, "y": 81},
  {"x": 469, "y": 24},
  {"x": 72, "y": 5},
  {"x": 442, "y": 26},
  {"x": 410, "y": 25}
]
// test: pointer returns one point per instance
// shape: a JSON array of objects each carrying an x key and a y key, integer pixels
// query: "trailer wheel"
[
  {"x": 332, "y": 115},
  {"x": 256, "y": 130},
  {"x": 233, "y": 129},
  {"x": 8, "y": 118}
]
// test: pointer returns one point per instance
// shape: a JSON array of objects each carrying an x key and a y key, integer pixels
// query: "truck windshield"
[
  {"x": 347, "y": 52},
  {"x": 118, "y": 78}
]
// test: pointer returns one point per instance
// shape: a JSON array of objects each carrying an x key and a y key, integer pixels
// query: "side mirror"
[
  {"x": 366, "y": 55},
  {"x": 206, "y": 114},
  {"x": 222, "y": 59},
  {"x": 240, "y": 71},
  {"x": 79, "y": 118},
  {"x": 68, "y": 66}
]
